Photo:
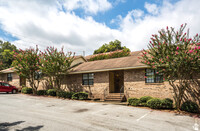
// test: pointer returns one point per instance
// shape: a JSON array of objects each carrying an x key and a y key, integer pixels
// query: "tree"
[
  {"x": 27, "y": 64},
  {"x": 176, "y": 56},
  {"x": 6, "y": 54},
  {"x": 112, "y": 46},
  {"x": 55, "y": 64}
]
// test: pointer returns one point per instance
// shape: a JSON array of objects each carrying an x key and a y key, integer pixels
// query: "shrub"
[
  {"x": 51, "y": 92},
  {"x": 167, "y": 103},
  {"x": 27, "y": 90},
  {"x": 144, "y": 99},
  {"x": 154, "y": 103},
  {"x": 133, "y": 101},
  {"x": 64, "y": 94},
  {"x": 190, "y": 106},
  {"x": 80, "y": 96},
  {"x": 41, "y": 92}
]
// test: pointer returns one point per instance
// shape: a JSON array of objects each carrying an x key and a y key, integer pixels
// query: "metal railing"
[
  {"x": 121, "y": 91},
  {"x": 105, "y": 94}
]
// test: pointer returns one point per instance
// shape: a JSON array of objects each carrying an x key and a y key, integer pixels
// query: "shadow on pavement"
[
  {"x": 6, "y": 126},
  {"x": 31, "y": 128}
]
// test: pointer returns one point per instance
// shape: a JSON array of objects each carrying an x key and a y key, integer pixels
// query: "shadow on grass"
[{"x": 6, "y": 126}]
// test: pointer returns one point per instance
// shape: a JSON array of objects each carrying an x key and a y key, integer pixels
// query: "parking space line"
[{"x": 142, "y": 117}]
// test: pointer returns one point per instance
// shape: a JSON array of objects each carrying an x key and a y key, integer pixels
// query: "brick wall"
[
  {"x": 135, "y": 86},
  {"x": 15, "y": 79},
  {"x": 101, "y": 82}
]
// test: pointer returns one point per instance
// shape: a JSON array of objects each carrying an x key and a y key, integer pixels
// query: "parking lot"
[{"x": 23, "y": 112}]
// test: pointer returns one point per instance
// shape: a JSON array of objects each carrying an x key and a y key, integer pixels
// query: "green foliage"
[
  {"x": 167, "y": 103},
  {"x": 176, "y": 55},
  {"x": 112, "y": 46},
  {"x": 27, "y": 64},
  {"x": 80, "y": 96},
  {"x": 133, "y": 101},
  {"x": 41, "y": 92},
  {"x": 64, "y": 94},
  {"x": 51, "y": 92},
  {"x": 55, "y": 64},
  {"x": 6, "y": 54},
  {"x": 144, "y": 99},
  {"x": 27, "y": 90},
  {"x": 154, "y": 103},
  {"x": 190, "y": 106},
  {"x": 114, "y": 54}
]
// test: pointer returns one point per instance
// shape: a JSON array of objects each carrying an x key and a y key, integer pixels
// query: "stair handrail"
[
  {"x": 121, "y": 92},
  {"x": 105, "y": 90}
]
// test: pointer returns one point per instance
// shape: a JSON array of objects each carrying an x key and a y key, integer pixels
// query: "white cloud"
[
  {"x": 90, "y": 6},
  {"x": 43, "y": 23},
  {"x": 151, "y": 8}
]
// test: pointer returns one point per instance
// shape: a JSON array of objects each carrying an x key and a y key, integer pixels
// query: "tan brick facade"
[
  {"x": 15, "y": 79},
  {"x": 135, "y": 86}
]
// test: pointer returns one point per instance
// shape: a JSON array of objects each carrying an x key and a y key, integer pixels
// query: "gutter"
[{"x": 113, "y": 69}]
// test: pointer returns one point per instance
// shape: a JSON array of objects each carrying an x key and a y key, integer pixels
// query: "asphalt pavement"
[{"x": 20, "y": 112}]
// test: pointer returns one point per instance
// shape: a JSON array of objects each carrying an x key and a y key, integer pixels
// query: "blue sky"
[{"x": 84, "y": 25}]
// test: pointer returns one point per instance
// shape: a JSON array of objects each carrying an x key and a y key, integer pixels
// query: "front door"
[{"x": 116, "y": 81}]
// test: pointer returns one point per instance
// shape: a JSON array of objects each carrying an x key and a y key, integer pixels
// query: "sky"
[{"x": 84, "y": 25}]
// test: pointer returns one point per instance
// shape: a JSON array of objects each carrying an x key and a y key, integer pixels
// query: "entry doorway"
[{"x": 116, "y": 81}]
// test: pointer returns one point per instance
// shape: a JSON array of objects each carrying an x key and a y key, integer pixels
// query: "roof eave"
[{"x": 124, "y": 68}]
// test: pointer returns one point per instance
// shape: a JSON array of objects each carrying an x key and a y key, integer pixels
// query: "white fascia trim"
[{"x": 126, "y": 68}]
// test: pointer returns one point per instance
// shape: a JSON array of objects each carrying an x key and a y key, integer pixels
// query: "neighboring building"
[{"x": 10, "y": 76}]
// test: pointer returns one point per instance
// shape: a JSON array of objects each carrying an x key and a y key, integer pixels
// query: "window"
[
  {"x": 153, "y": 77},
  {"x": 88, "y": 79},
  {"x": 38, "y": 75},
  {"x": 5, "y": 84},
  {"x": 9, "y": 77}
]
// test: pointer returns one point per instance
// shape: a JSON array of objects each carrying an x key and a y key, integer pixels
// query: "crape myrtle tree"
[
  {"x": 175, "y": 55},
  {"x": 55, "y": 65},
  {"x": 27, "y": 65}
]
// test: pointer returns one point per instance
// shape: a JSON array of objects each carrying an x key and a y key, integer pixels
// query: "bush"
[
  {"x": 80, "y": 96},
  {"x": 167, "y": 103},
  {"x": 64, "y": 94},
  {"x": 27, "y": 90},
  {"x": 41, "y": 92},
  {"x": 154, "y": 103},
  {"x": 133, "y": 101},
  {"x": 51, "y": 92},
  {"x": 144, "y": 99},
  {"x": 190, "y": 106}
]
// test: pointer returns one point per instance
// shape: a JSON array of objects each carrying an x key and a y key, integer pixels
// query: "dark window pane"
[
  {"x": 90, "y": 82},
  {"x": 91, "y": 76},
  {"x": 85, "y": 76},
  {"x": 85, "y": 82}
]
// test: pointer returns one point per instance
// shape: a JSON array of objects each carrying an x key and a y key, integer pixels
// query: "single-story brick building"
[{"x": 109, "y": 79}]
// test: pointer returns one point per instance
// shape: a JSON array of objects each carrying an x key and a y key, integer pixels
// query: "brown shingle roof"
[
  {"x": 9, "y": 70},
  {"x": 128, "y": 62}
]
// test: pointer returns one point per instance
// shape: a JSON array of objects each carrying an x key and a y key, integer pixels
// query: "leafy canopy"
[
  {"x": 112, "y": 46},
  {"x": 6, "y": 54},
  {"x": 176, "y": 55}
]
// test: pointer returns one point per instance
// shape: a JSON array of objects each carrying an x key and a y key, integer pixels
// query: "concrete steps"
[{"x": 114, "y": 97}]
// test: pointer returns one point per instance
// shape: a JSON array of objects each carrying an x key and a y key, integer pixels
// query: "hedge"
[
  {"x": 190, "y": 106},
  {"x": 167, "y": 103},
  {"x": 133, "y": 101},
  {"x": 144, "y": 99},
  {"x": 42, "y": 92},
  {"x": 51, "y": 92},
  {"x": 64, "y": 94},
  {"x": 154, "y": 103},
  {"x": 27, "y": 90},
  {"x": 80, "y": 96}
]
